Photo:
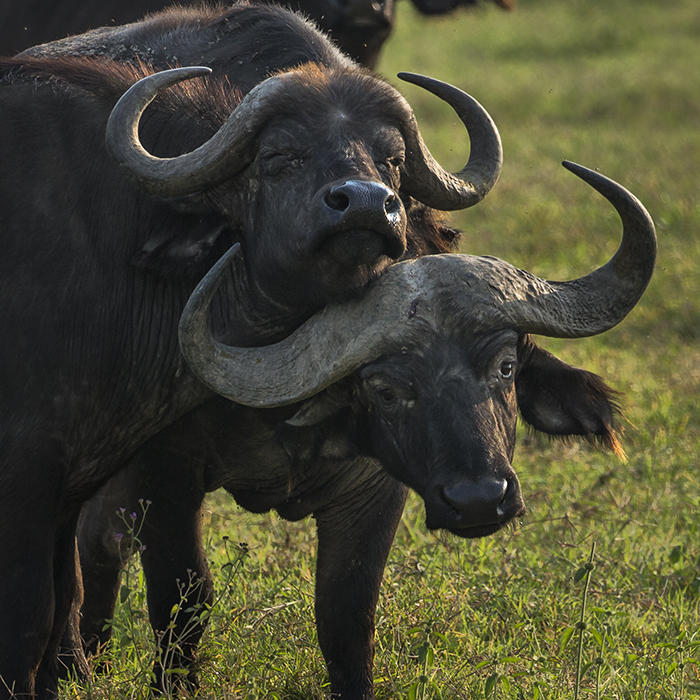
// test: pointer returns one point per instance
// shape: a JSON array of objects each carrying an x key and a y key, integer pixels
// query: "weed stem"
[{"x": 582, "y": 622}]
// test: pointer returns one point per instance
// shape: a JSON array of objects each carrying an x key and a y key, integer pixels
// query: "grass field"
[{"x": 613, "y": 85}]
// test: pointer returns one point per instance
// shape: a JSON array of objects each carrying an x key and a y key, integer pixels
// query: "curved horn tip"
[
  {"x": 215, "y": 271},
  {"x": 219, "y": 265},
  {"x": 165, "y": 78},
  {"x": 423, "y": 81},
  {"x": 234, "y": 250},
  {"x": 613, "y": 191},
  {"x": 580, "y": 170},
  {"x": 143, "y": 91},
  {"x": 189, "y": 71},
  {"x": 593, "y": 178},
  {"x": 169, "y": 77},
  {"x": 195, "y": 313},
  {"x": 411, "y": 77}
]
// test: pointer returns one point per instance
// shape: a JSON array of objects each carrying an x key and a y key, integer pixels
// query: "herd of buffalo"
[{"x": 226, "y": 263}]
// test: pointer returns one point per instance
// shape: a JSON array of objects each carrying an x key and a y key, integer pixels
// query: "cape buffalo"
[
  {"x": 313, "y": 164},
  {"x": 427, "y": 372},
  {"x": 359, "y": 27}
]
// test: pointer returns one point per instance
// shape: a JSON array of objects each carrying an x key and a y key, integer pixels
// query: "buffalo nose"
[
  {"x": 358, "y": 196},
  {"x": 363, "y": 216},
  {"x": 478, "y": 503}
]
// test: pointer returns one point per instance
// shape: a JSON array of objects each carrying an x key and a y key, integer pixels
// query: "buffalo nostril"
[
  {"x": 501, "y": 508},
  {"x": 362, "y": 196},
  {"x": 337, "y": 200},
  {"x": 392, "y": 204}
]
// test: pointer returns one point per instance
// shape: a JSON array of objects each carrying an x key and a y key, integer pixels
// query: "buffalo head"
[
  {"x": 437, "y": 359},
  {"x": 321, "y": 169}
]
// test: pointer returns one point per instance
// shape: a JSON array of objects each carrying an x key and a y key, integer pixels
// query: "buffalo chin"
[
  {"x": 471, "y": 533},
  {"x": 343, "y": 283},
  {"x": 468, "y": 532}
]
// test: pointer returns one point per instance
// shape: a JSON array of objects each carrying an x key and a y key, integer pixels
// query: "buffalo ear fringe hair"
[
  {"x": 596, "y": 419},
  {"x": 608, "y": 441},
  {"x": 426, "y": 232}
]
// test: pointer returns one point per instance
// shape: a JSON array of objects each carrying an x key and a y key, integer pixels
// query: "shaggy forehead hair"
[{"x": 341, "y": 89}]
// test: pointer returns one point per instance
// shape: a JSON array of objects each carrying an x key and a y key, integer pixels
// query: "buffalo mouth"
[
  {"x": 472, "y": 533},
  {"x": 348, "y": 261},
  {"x": 361, "y": 247}
]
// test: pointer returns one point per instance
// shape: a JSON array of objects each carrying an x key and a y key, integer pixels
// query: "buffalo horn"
[
  {"x": 425, "y": 179},
  {"x": 598, "y": 301},
  {"x": 330, "y": 345},
  {"x": 224, "y": 155},
  {"x": 232, "y": 148},
  {"x": 411, "y": 298}
]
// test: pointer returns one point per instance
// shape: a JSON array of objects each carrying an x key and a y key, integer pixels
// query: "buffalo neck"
[{"x": 244, "y": 315}]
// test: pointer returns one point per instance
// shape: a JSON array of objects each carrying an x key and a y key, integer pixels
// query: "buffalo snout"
[
  {"x": 475, "y": 508},
  {"x": 481, "y": 502},
  {"x": 367, "y": 209}
]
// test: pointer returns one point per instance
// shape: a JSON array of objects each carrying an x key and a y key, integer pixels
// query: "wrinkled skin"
[
  {"x": 359, "y": 27},
  {"x": 95, "y": 273},
  {"x": 439, "y": 415}
]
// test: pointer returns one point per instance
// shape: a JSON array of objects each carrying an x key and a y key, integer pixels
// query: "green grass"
[{"x": 613, "y": 85}]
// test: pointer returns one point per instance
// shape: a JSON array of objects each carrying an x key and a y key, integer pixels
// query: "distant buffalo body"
[
  {"x": 282, "y": 144},
  {"x": 418, "y": 383},
  {"x": 359, "y": 27}
]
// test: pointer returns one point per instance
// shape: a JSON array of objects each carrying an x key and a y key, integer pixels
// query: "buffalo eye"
[
  {"x": 389, "y": 166},
  {"x": 387, "y": 396},
  {"x": 506, "y": 370},
  {"x": 275, "y": 163}
]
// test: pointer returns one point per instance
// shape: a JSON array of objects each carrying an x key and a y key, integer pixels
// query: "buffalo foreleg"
[
  {"x": 37, "y": 569},
  {"x": 355, "y": 534},
  {"x": 178, "y": 579},
  {"x": 54, "y": 664},
  {"x": 152, "y": 506},
  {"x": 104, "y": 545}
]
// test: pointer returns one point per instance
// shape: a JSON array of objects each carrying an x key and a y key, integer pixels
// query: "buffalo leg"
[
  {"x": 354, "y": 539},
  {"x": 104, "y": 545},
  {"x": 71, "y": 657},
  {"x": 65, "y": 581},
  {"x": 173, "y": 560},
  {"x": 30, "y": 493},
  {"x": 164, "y": 483},
  {"x": 26, "y": 609}
]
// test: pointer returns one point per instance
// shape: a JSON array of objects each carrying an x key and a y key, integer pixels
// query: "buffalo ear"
[
  {"x": 319, "y": 429},
  {"x": 178, "y": 255},
  {"x": 427, "y": 233},
  {"x": 559, "y": 399},
  {"x": 315, "y": 411},
  {"x": 184, "y": 231}
]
